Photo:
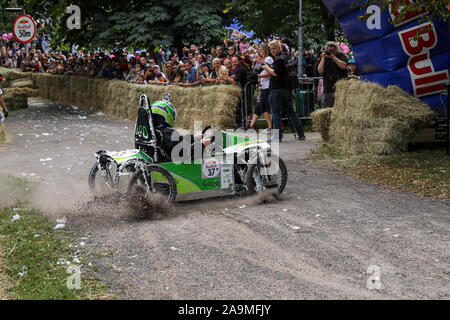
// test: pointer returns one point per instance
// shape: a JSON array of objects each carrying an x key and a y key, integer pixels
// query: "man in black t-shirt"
[
  {"x": 333, "y": 67},
  {"x": 280, "y": 97},
  {"x": 239, "y": 77},
  {"x": 240, "y": 71}
]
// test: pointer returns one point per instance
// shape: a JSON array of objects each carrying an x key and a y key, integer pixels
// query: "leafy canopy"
[{"x": 135, "y": 23}]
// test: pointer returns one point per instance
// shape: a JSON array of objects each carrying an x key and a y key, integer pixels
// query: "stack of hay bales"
[
  {"x": 15, "y": 74},
  {"x": 212, "y": 105},
  {"x": 21, "y": 83},
  {"x": 370, "y": 119},
  {"x": 15, "y": 100},
  {"x": 18, "y": 86},
  {"x": 29, "y": 92},
  {"x": 215, "y": 105},
  {"x": 321, "y": 122}
]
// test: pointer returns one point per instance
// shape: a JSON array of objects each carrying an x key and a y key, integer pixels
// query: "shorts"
[{"x": 263, "y": 105}]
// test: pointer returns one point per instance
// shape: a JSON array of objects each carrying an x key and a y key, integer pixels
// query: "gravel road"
[{"x": 316, "y": 243}]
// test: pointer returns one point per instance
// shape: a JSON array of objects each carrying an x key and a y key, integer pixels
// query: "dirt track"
[{"x": 318, "y": 242}]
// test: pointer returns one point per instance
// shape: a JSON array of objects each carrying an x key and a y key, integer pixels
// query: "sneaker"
[
  {"x": 5, "y": 111},
  {"x": 301, "y": 138}
]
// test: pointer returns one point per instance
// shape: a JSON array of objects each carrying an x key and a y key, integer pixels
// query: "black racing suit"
[{"x": 168, "y": 139}]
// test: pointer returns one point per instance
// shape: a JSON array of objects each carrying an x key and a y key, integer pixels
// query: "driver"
[{"x": 164, "y": 116}]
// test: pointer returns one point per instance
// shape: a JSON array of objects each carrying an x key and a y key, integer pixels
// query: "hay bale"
[
  {"x": 2, "y": 134},
  {"x": 5, "y": 84},
  {"x": 22, "y": 83},
  {"x": 14, "y": 100},
  {"x": 28, "y": 91},
  {"x": 214, "y": 105},
  {"x": 370, "y": 119},
  {"x": 321, "y": 122},
  {"x": 14, "y": 74}
]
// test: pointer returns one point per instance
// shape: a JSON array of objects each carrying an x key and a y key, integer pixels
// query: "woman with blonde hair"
[
  {"x": 265, "y": 51},
  {"x": 263, "y": 106},
  {"x": 218, "y": 70}
]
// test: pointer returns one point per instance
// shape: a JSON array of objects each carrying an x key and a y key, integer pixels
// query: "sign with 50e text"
[{"x": 24, "y": 28}]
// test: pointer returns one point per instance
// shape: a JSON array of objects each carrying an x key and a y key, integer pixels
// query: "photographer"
[
  {"x": 333, "y": 67},
  {"x": 2, "y": 104}
]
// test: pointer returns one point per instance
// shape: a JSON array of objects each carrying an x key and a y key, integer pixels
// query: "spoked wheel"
[
  {"x": 271, "y": 176},
  {"x": 156, "y": 181},
  {"x": 102, "y": 181}
]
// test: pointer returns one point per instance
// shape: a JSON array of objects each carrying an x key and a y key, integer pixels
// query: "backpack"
[{"x": 252, "y": 77}]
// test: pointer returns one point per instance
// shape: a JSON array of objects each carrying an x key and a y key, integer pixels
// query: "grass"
[
  {"x": 14, "y": 190},
  {"x": 34, "y": 259},
  {"x": 423, "y": 171}
]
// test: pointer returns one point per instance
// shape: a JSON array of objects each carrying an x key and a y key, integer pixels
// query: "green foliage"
[
  {"x": 281, "y": 18},
  {"x": 6, "y": 19},
  {"x": 137, "y": 23},
  {"x": 439, "y": 9}
]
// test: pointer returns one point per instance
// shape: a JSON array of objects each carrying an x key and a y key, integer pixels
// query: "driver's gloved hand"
[{"x": 5, "y": 112}]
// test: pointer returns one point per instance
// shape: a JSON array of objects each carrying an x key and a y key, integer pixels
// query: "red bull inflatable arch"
[{"x": 410, "y": 53}]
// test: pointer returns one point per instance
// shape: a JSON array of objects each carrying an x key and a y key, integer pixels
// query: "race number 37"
[
  {"x": 210, "y": 169},
  {"x": 24, "y": 28}
]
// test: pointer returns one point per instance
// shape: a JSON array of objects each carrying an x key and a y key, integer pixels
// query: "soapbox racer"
[{"x": 235, "y": 166}]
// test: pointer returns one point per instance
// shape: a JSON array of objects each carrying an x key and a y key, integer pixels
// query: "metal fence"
[{"x": 305, "y": 101}]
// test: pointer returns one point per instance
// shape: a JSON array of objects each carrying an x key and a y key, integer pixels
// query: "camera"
[
  {"x": 259, "y": 70},
  {"x": 328, "y": 52}
]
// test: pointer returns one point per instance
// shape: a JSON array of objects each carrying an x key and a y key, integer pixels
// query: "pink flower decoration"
[
  {"x": 10, "y": 36},
  {"x": 5, "y": 37},
  {"x": 344, "y": 47}
]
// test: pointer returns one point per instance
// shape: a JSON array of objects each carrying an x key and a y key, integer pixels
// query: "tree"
[
  {"x": 136, "y": 23},
  {"x": 439, "y": 9},
  {"x": 281, "y": 18}
]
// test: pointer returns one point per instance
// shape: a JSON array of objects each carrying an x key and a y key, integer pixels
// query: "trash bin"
[{"x": 305, "y": 102}]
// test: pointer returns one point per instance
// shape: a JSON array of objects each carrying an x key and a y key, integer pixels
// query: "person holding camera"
[{"x": 333, "y": 67}]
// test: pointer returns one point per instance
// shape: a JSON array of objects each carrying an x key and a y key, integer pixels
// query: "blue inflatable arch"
[{"x": 391, "y": 54}]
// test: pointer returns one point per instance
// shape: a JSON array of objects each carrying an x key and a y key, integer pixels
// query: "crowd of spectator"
[
  {"x": 232, "y": 62},
  {"x": 195, "y": 65}
]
